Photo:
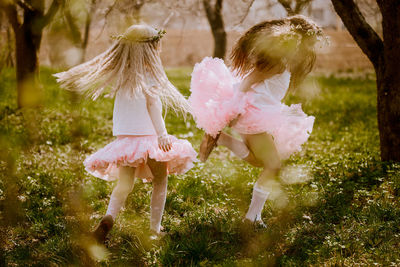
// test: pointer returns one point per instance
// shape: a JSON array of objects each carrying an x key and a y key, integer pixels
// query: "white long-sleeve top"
[
  {"x": 131, "y": 115},
  {"x": 272, "y": 90}
]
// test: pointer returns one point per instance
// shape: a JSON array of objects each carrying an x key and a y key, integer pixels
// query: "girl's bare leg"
[
  {"x": 264, "y": 151},
  {"x": 158, "y": 197},
  {"x": 121, "y": 190},
  {"x": 239, "y": 148}
]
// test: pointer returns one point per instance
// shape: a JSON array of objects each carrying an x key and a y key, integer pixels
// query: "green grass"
[{"x": 340, "y": 206}]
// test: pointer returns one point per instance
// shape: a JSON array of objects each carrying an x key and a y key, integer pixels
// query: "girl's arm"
[{"x": 155, "y": 112}]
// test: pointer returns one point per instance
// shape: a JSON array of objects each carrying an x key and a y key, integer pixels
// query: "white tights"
[
  {"x": 260, "y": 195},
  {"x": 124, "y": 187},
  {"x": 121, "y": 190},
  {"x": 257, "y": 203},
  {"x": 158, "y": 198}
]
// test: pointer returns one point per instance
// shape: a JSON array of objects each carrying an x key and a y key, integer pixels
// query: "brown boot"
[
  {"x": 207, "y": 145},
  {"x": 103, "y": 228}
]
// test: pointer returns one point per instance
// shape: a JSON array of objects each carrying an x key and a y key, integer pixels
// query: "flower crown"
[
  {"x": 160, "y": 34},
  {"x": 154, "y": 38},
  {"x": 289, "y": 31}
]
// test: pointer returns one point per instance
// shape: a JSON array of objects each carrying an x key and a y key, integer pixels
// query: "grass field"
[{"x": 340, "y": 204}]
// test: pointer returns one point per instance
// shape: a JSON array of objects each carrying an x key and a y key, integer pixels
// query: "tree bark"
[
  {"x": 27, "y": 63},
  {"x": 9, "y": 58},
  {"x": 298, "y": 6},
  {"x": 388, "y": 82},
  {"x": 28, "y": 36},
  {"x": 7, "y": 53},
  {"x": 215, "y": 19},
  {"x": 384, "y": 55}
]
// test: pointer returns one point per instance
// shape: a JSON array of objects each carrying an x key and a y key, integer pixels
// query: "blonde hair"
[
  {"x": 283, "y": 44},
  {"x": 132, "y": 63}
]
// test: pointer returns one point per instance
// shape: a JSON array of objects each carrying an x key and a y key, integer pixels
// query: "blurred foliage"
[{"x": 342, "y": 203}]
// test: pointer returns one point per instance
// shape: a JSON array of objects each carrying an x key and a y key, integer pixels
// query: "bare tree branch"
[
  {"x": 25, "y": 5},
  {"x": 88, "y": 22},
  {"x": 107, "y": 12},
  {"x": 390, "y": 22},
  {"x": 365, "y": 36},
  {"x": 55, "y": 5},
  {"x": 246, "y": 12},
  {"x": 165, "y": 22},
  {"x": 286, "y": 4},
  {"x": 209, "y": 10},
  {"x": 73, "y": 27},
  {"x": 13, "y": 17},
  {"x": 299, "y": 5}
]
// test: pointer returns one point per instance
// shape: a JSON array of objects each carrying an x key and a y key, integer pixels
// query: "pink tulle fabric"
[
  {"x": 134, "y": 151},
  {"x": 213, "y": 99},
  {"x": 289, "y": 125},
  {"x": 215, "y": 103}
]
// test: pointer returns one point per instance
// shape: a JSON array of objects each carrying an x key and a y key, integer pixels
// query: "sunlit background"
[{"x": 335, "y": 203}]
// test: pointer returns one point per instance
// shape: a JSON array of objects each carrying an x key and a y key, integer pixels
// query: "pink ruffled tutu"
[
  {"x": 213, "y": 99},
  {"x": 289, "y": 126},
  {"x": 215, "y": 102},
  {"x": 134, "y": 151}
]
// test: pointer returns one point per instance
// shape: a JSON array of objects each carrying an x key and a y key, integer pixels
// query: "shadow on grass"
[{"x": 208, "y": 237}]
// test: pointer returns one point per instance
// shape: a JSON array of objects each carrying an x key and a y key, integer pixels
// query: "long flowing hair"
[
  {"x": 288, "y": 43},
  {"x": 127, "y": 65}
]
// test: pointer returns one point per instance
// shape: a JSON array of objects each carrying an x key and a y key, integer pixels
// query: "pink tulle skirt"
[
  {"x": 289, "y": 125},
  {"x": 215, "y": 102},
  {"x": 213, "y": 99},
  {"x": 134, "y": 151}
]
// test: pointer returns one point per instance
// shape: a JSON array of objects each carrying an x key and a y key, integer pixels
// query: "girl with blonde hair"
[{"x": 132, "y": 72}]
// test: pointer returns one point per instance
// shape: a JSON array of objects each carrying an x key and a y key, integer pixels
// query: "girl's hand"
[
  {"x": 155, "y": 109},
  {"x": 234, "y": 121},
  {"x": 164, "y": 142}
]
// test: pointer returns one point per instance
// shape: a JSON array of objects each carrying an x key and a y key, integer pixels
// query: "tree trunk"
[
  {"x": 219, "y": 40},
  {"x": 215, "y": 19},
  {"x": 388, "y": 83},
  {"x": 27, "y": 44},
  {"x": 384, "y": 55},
  {"x": 28, "y": 30},
  {"x": 9, "y": 58},
  {"x": 7, "y": 53}
]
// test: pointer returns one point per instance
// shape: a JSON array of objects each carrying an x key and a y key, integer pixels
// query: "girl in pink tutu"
[
  {"x": 268, "y": 62},
  {"x": 132, "y": 68}
]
